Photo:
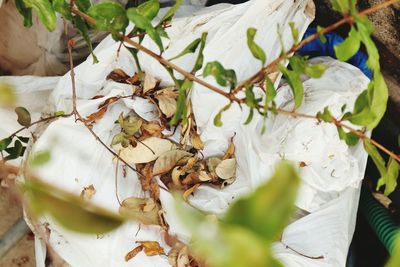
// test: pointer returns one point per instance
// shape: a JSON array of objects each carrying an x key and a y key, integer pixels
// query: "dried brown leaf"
[
  {"x": 131, "y": 254},
  {"x": 102, "y": 110},
  {"x": 226, "y": 169},
  {"x": 168, "y": 160},
  {"x": 167, "y": 105},
  {"x": 151, "y": 248},
  {"x": 149, "y": 83},
  {"x": 191, "y": 179},
  {"x": 230, "y": 151},
  {"x": 144, "y": 210},
  {"x": 152, "y": 128},
  {"x": 196, "y": 141},
  {"x": 88, "y": 192},
  {"x": 212, "y": 163},
  {"x": 146, "y": 151},
  {"x": 118, "y": 75},
  {"x": 190, "y": 191}
]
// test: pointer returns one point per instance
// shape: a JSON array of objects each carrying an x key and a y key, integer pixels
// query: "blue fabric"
[{"x": 317, "y": 48}]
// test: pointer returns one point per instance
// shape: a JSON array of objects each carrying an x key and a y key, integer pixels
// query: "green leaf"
[
  {"x": 322, "y": 37},
  {"x": 200, "y": 57},
  {"x": 350, "y": 138},
  {"x": 295, "y": 32},
  {"x": 83, "y": 5},
  {"x": 315, "y": 70},
  {"x": 250, "y": 97},
  {"x": 25, "y": 11},
  {"x": 342, "y": 6},
  {"x": 170, "y": 13},
  {"x": 270, "y": 93},
  {"x": 394, "y": 260},
  {"x": 191, "y": 48},
  {"x": 325, "y": 116},
  {"x": 40, "y": 158},
  {"x": 149, "y": 9},
  {"x": 4, "y": 143},
  {"x": 392, "y": 175},
  {"x": 23, "y": 139},
  {"x": 267, "y": 211},
  {"x": 223, "y": 76},
  {"x": 255, "y": 49},
  {"x": 62, "y": 7},
  {"x": 345, "y": 50},
  {"x": 24, "y": 117},
  {"x": 109, "y": 16},
  {"x": 84, "y": 31},
  {"x": 181, "y": 101},
  {"x": 365, "y": 29},
  {"x": 217, "y": 118},
  {"x": 16, "y": 151},
  {"x": 70, "y": 211},
  {"x": 134, "y": 53},
  {"x": 45, "y": 12},
  {"x": 144, "y": 23},
  {"x": 376, "y": 157},
  {"x": 370, "y": 105},
  {"x": 295, "y": 84},
  {"x": 250, "y": 117}
]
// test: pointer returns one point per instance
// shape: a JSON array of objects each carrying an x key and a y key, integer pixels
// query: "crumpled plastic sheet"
[{"x": 330, "y": 181}]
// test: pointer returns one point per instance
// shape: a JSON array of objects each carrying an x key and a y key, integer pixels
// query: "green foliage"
[
  {"x": 170, "y": 13},
  {"x": 83, "y": 5},
  {"x": 24, "y": 117},
  {"x": 4, "y": 143},
  {"x": 149, "y": 9},
  {"x": 224, "y": 77},
  {"x": 70, "y": 211},
  {"x": 62, "y": 7},
  {"x": 295, "y": 83},
  {"x": 84, "y": 31},
  {"x": 325, "y": 116},
  {"x": 181, "y": 108},
  {"x": 25, "y": 11},
  {"x": 345, "y": 50},
  {"x": 249, "y": 227},
  {"x": 200, "y": 57},
  {"x": 40, "y": 158},
  {"x": 294, "y": 31},
  {"x": 322, "y": 37},
  {"x": 108, "y": 16},
  {"x": 45, "y": 12},
  {"x": 144, "y": 23},
  {"x": 190, "y": 48},
  {"x": 350, "y": 138},
  {"x": 16, "y": 151},
  {"x": 344, "y": 6},
  {"x": 217, "y": 118},
  {"x": 255, "y": 49}
]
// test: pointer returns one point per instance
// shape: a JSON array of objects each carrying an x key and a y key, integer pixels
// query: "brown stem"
[{"x": 78, "y": 115}]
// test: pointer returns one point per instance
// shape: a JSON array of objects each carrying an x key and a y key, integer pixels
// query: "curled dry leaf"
[
  {"x": 88, "y": 192},
  {"x": 102, "y": 110},
  {"x": 149, "y": 83},
  {"x": 196, "y": 141},
  {"x": 148, "y": 150},
  {"x": 212, "y": 163},
  {"x": 131, "y": 124},
  {"x": 144, "y": 210},
  {"x": 167, "y": 105},
  {"x": 190, "y": 191},
  {"x": 168, "y": 160},
  {"x": 230, "y": 151},
  {"x": 151, "y": 248},
  {"x": 226, "y": 169},
  {"x": 118, "y": 75},
  {"x": 131, "y": 254},
  {"x": 152, "y": 128}
]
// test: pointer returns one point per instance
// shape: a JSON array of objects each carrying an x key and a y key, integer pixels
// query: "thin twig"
[{"x": 301, "y": 254}]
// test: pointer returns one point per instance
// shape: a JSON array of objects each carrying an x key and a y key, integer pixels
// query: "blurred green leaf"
[
  {"x": 109, "y": 16},
  {"x": 40, "y": 158},
  {"x": 217, "y": 118},
  {"x": 24, "y": 117},
  {"x": 322, "y": 37},
  {"x": 270, "y": 93},
  {"x": 392, "y": 175},
  {"x": 62, "y": 7},
  {"x": 45, "y": 12},
  {"x": 144, "y": 23},
  {"x": 223, "y": 76},
  {"x": 149, "y": 9},
  {"x": 349, "y": 47},
  {"x": 7, "y": 95},
  {"x": 83, "y": 5},
  {"x": 295, "y": 83},
  {"x": 170, "y": 13},
  {"x": 295, "y": 32},
  {"x": 4, "y": 143},
  {"x": 181, "y": 101},
  {"x": 70, "y": 211},
  {"x": 200, "y": 57},
  {"x": 190, "y": 48},
  {"x": 255, "y": 49},
  {"x": 25, "y": 11},
  {"x": 23, "y": 139},
  {"x": 266, "y": 211},
  {"x": 16, "y": 151},
  {"x": 315, "y": 70}
]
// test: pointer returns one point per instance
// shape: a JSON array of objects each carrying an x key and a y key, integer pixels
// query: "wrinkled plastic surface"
[{"x": 330, "y": 180}]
